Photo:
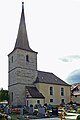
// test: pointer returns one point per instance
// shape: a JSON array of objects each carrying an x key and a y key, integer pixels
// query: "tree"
[{"x": 4, "y": 95}]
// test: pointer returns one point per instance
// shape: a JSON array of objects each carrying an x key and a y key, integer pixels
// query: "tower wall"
[
  {"x": 22, "y": 72},
  {"x": 18, "y": 59},
  {"x": 18, "y": 97}
]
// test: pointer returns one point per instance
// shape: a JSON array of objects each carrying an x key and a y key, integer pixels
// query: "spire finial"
[{"x": 23, "y": 5}]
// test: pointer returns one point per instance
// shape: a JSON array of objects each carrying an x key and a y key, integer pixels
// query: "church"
[{"x": 26, "y": 84}]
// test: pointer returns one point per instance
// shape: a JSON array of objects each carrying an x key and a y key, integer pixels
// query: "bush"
[
  {"x": 78, "y": 110},
  {"x": 3, "y": 119}
]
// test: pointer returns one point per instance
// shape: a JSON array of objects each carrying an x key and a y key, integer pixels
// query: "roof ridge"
[{"x": 45, "y": 71}]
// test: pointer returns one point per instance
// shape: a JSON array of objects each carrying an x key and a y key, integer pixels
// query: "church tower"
[{"x": 22, "y": 70}]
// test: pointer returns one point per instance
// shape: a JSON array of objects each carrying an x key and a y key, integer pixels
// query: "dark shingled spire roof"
[{"x": 22, "y": 38}]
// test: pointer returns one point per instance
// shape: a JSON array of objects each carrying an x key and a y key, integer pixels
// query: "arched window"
[
  {"x": 62, "y": 91},
  {"x": 12, "y": 59},
  {"x": 51, "y": 90},
  {"x": 27, "y": 58},
  {"x": 12, "y": 96}
]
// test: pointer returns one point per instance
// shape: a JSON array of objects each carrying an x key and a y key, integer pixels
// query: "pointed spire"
[
  {"x": 22, "y": 38},
  {"x": 23, "y": 5}
]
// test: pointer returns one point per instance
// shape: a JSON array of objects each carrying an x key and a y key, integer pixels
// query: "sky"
[{"x": 53, "y": 28}]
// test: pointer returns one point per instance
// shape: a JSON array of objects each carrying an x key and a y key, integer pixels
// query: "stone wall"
[
  {"x": 19, "y": 97},
  {"x": 21, "y": 73}
]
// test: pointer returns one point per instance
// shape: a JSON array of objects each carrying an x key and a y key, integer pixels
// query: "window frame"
[
  {"x": 62, "y": 100},
  {"x": 12, "y": 59},
  {"x": 38, "y": 101},
  {"x": 62, "y": 91},
  {"x": 27, "y": 58},
  {"x": 51, "y": 100},
  {"x": 12, "y": 96},
  {"x": 51, "y": 90}
]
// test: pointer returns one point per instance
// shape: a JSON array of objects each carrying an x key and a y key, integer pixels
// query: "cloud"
[
  {"x": 70, "y": 58},
  {"x": 74, "y": 77}
]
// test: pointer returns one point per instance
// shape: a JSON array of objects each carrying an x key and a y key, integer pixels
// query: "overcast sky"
[{"x": 53, "y": 28}]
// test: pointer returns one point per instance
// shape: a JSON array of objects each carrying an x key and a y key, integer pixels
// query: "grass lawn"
[{"x": 16, "y": 117}]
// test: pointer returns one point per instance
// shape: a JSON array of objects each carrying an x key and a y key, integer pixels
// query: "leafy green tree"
[{"x": 4, "y": 95}]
